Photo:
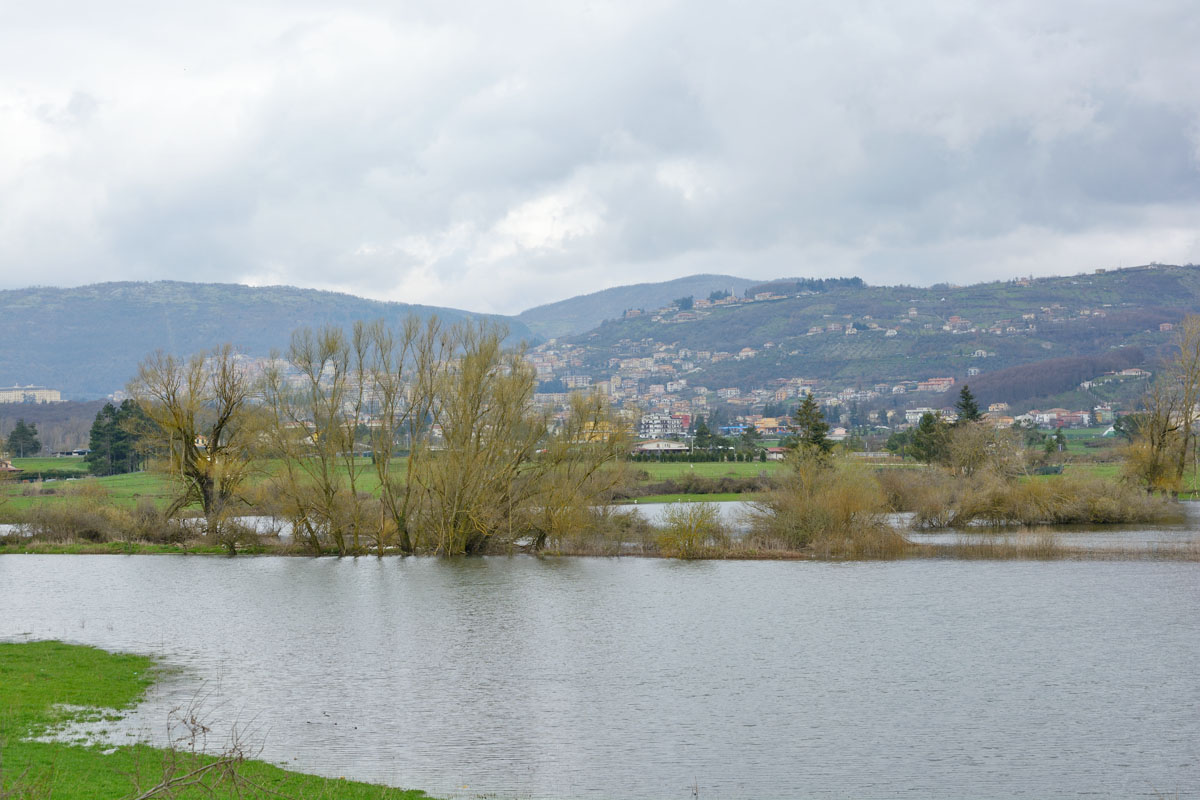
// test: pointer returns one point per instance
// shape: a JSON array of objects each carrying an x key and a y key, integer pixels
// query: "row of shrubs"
[{"x": 941, "y": 500}]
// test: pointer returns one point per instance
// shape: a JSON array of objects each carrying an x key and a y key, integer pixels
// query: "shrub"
[
  {"x": 939, "y": 501},
  {"x": 833, "y": 509},
  {"x": 691, "y": 530}
]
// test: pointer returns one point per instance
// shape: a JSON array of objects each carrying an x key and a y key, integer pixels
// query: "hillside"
[
  {"x": 579, "y": 314},
  {"x": 902, "y": 333},
  {"x": 87, "y": 341}
]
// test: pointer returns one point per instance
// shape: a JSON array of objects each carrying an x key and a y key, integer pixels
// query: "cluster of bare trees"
[{"x": 416, "y": 439}]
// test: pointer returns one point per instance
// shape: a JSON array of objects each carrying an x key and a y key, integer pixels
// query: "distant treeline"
[
  {"x": 61, "y": 426},
  {"x": 792, "y": 286},
  {"x": 1050, "y": 377}
]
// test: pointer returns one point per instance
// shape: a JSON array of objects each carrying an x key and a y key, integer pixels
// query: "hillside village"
[
  {"x": 663, "y": 387},
  {"x": 875, "y": 358},
  {"x": 656, "y": 393}
]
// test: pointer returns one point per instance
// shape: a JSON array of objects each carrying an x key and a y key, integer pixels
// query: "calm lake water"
[{"x": 640, "y": 678}]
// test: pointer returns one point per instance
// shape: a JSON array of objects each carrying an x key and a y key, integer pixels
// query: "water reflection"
[{"x": 632, "y": 678}]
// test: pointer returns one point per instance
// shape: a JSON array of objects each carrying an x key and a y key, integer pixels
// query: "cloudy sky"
[{"x": 494, "y": 156}]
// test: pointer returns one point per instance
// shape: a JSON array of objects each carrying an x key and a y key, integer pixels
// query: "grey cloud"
[{"x": 499, "y": 157}]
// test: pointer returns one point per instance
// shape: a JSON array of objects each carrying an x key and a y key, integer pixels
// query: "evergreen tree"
[
  {"x": 812, "y": 431},
  {"x": 930, "y": 440},
  {"x": 114, "y": 438},
  {"x": 702, "y": 436},
  {"x": 967, "y": 408},
  {"x": 750, "y": 438},
  {"x": 900, "y": 443},
  {"x": 23, "y": 440}
]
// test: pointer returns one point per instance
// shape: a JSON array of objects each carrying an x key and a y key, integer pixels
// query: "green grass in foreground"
[{"x": 36, "y": 677}]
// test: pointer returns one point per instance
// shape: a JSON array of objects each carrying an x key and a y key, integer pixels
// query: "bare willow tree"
[
  {"x": 1150, "y": 456},
  {"x": 577, "y": 469},
  {"x": 1166, "y": 435},
  {"x": 405, "y": 368},
  {"x": 203, "y": 425},
  {"x": 319, "y": 406},
  {"x": 469, "y": 488}
]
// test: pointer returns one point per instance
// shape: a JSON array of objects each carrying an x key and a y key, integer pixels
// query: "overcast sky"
[{"x": 494, "y": 156}]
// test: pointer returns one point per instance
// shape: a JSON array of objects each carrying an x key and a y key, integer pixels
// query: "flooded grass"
[{"x": 45, "y": 687}]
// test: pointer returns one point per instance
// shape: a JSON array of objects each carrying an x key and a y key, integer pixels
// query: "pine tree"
[
  {"x": 812, "y": 431},
  {"x": 114, "y": 438},
  {"x": 967, "y": 408},
  {"x": 930, "y": 439},
  {"x": 23, "y": 441}
]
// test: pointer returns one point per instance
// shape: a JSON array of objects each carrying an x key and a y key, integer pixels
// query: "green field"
[
  {"x": 47, "y": 686},
  {"x": 123, "y": 490},
  {"x": 661, "y": 471},
  {"x": 51, "y": 464}
]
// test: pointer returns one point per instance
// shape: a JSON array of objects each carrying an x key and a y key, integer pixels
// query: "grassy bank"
[{"x": 45, "y": 686}]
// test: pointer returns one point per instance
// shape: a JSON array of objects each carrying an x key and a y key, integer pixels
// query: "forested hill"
[
  {"x": 87, "y": 341},
  {"x": 858, "y": 334},
  {"x": 582, "y": 313}
]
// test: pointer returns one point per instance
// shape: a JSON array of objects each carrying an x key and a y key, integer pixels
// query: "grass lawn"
[
  {"x": 1077, "y": 439},
  {"x": 38, "y": 678},
  {"x": 51, "y": 464},
  {"x": 660, "y": 471}
]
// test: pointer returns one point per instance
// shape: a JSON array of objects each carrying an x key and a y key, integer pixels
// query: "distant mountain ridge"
[
  {"x": 582, "y": 313},
  {"x": 87, "y": 341}
]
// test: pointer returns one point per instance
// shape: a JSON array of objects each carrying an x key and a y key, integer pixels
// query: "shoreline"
[
  {"x": 49, "y": 687},
  {"x": 1040, "y": 547}
]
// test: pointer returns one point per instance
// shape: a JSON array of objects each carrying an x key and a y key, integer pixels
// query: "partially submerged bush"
[
  {"x": 605, "y": 530},
  {"x": 832, "y": 509},
  {"x": 77, "y": 523},
  {"x": 691, "y": 530},
  {"x": 937, "y": 500}
]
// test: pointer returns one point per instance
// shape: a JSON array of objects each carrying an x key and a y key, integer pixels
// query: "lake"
[{"x": 642, "y": 678}]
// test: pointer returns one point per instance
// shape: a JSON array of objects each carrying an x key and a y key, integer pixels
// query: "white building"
[{"x": 30, "y": 394}]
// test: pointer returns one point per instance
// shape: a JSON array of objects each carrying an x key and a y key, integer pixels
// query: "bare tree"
[
  {"x": 1158, "y": 457},
  {"x": 1184, "y": 372},
  {"x": 577, "y": 468},
  {"x": 204, "y": 425},
  {"x": 404, "y": 368},
  {"x": 469, "y": 479},
  {"x": 1150, "y": 458},
  {"x": 314, "y": 431}
]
